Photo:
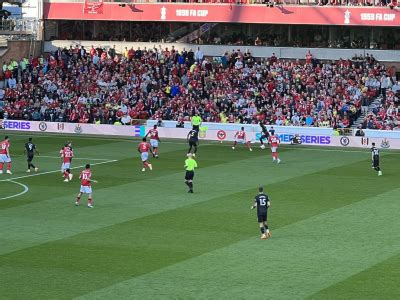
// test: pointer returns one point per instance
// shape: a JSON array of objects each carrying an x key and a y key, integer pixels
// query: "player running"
[
  {"x": 86, "y": 186},
  {"x": 30, "y": 151},
  {"x": 154, "y": 140},
  {"x": 264, "y": 135},
  {"x": 5, "y": 155},
  {"x": 274, "y": 141},
  {"x": 375, "y": 159},
  {"x": 190, "y": 165},
  {"x": 144, "y": 148},
  {"x": 67, "y": 154},
  {"x": 262, "y": 203},
  {"x": 193, "y": 140},
  {"x": 240, "y": 137}
]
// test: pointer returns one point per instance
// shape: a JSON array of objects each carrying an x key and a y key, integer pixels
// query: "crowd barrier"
[{"x": 211, "y": 132}]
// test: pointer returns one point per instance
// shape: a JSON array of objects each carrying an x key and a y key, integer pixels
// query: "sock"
[
  {"x": 90, "y": 201},
  {"x": 248, "y": 145},
  {"x": 9, "y": 166},
  {"x": 155, "y": 150},
  {"x": 261, "y": 141},
  {"x": 191, "y": 185},
  {"x": 29, "y": 166},
  {"x": 195, "y": 149},
  {"x": 234, "y": 144},
  {"x": 66, "y": 174},
  {"x": 187, "y": 183},
  {"x": 266, "y": 228},
  {"x": 262, "y": 229},
  {"x": 145, "y": 164},
  {"x": 78, "y": 199},
  {"x": 33, "y": 166}
]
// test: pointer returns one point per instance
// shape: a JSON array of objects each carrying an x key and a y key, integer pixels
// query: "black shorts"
[
  {"x": 375, "y": 162},
  {"x": 29, "y": 158},
  {"x": 192, "y": 143},
  {"x": 189, "y": 175},
  {"x": 262, "y": 218},
  {"x": 196, "y": 127},
  {"x": 264, "y": 136}
]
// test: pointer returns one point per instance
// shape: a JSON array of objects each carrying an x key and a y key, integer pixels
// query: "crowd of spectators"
[
  {"x": 100, "y": 86},
  {"x": 279, "y": 2}
]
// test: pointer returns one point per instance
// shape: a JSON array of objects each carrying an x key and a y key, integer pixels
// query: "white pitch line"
[
  {"x": 26, "y": 189},
  {"x": 58, "y": 157},
  {"x": 56, "y": 171}
]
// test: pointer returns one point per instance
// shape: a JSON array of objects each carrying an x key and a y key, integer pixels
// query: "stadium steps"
[
  {"x": 192, "y": 36},
  {"x": 375, "y": 104}
]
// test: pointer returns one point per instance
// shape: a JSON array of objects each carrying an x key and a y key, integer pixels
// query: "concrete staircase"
[{"x": 375, "y": 104}]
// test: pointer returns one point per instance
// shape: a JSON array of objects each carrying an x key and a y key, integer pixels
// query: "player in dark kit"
[
  {"x": 264, "y": 135},
  {"x": 262, "y": 203},
  {"x": 30, "y": 151},
  {"x": 375, "y": 159},
  {"x": 193, "y": 140}
]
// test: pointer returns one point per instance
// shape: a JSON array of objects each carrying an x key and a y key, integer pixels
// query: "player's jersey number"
[{"x": 263, "y": 201}]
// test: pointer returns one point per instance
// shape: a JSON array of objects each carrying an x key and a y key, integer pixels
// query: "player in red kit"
[
  {"x": 5, "y": 155},
  {"x": 144, "y": 148},
  {"x": 67, "y": 154},
  {"x": 86, "y": 186},
  {"x": 274, "y": 141},
  {"x": 154, "y": 140},
  {"x": 240, "y": 137}
]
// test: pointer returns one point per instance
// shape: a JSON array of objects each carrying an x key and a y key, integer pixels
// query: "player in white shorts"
[{"x": 5, "y": 155}]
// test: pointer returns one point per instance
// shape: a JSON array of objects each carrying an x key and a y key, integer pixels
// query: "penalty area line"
[
  {"x": 57, "y": 171},
  {"x": 26, "y": 189}
]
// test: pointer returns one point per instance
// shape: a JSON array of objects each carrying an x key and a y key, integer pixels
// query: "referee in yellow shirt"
[
  {"x": 196, "y": 121},
  {"x": 190, "y": 165}
]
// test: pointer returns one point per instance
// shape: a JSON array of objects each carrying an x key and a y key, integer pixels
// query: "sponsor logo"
[
  {"x": 221, "y": 135},
  {"x": 347, "y": 15},
  {"x": 16, "y": 125},
  {"x": 138, "y": 131},
  {"x": 163, "y": 13},
  {"x": 78, "y": 129},
  {"x": 344, "y": 141},
  {"x": 42, "y": 126},
  {"x": 192, "y": 12},
  {"x": 60, "y": 126},
  {"x": 378, "y": 17},
  {"x": 385, "y": 144},
  {"x": 305, "y": 139},
  {"x": 364, "y": 141}
]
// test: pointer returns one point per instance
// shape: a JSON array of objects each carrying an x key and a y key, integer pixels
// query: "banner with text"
[{"x": 253, "y": 133}]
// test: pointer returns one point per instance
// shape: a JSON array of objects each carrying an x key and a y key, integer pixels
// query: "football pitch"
[{"x": 334, "y": 222}]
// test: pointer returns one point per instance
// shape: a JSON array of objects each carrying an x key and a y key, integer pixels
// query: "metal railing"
[{"x": 19, "y": 28}]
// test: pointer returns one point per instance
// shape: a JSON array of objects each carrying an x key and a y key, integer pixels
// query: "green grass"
[{"x": 334, "y": 222}]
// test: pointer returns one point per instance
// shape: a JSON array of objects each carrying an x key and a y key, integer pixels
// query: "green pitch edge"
[
  {"x": 115, "y": 253},
  {"x": 57, "y": 218},
  {"x": 298, "y": 261}
]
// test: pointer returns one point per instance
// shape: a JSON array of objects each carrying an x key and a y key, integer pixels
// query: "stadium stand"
[{"x": 99, "y": 85}]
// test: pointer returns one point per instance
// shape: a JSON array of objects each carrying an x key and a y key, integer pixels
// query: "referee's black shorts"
[
  {"x": 189, "y": 175},
  {"x": 192, "y": 143},
  {"x": 29, "y": 158}
]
